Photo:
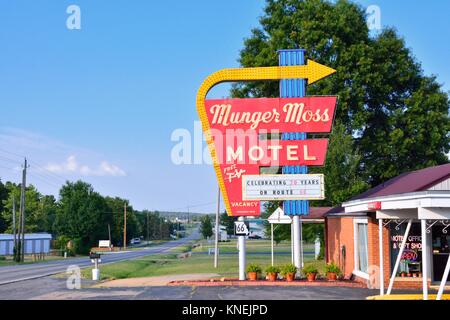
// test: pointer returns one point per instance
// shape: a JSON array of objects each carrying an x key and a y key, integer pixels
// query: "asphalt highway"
[{"x": 16, "y": 273}]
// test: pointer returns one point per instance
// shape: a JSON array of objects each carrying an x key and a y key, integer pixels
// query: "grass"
[
  {"x": 199, "y": 262},
  {"x": 8, "y": 261}
]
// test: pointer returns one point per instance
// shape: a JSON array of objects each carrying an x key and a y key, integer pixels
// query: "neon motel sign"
[{"x": 243, "y": 135}]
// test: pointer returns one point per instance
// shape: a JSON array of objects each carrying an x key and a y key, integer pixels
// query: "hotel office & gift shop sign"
[{"x": 243, "y": 135}]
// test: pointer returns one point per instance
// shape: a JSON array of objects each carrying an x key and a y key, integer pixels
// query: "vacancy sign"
[
  {"x": 244, "y": 135},
  {"x": 283, "y": 187}
]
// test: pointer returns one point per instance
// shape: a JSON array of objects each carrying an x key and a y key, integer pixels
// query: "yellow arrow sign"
[{"x": 312, "y": 71}]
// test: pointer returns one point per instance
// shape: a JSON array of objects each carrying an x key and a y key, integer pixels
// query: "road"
[{"x": 15, "y": 273}]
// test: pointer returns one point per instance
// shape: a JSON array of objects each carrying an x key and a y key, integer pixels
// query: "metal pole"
[
  {"x": 22, "y": 210},
  {"x": 423, "y": 224},
  {"x": 294, "y": 88},
  {"x": 296, "y": 227},
  {"x": 397, "y": 262},
  {"x": 14, "y": 225},
  {"x": 292, "y": 244},
  {"x": 125, "y": 226},
  {"x": 301, "y": 241},
  {"x": 444, "y": 279},
  {"x": 148, "y": 231},
  {"x": 216, "y": 242},
  {"x": 380, "y": 243},
  {"x": 241, "y": 242},
  {"x": 271, "y": 233},
  {"x": 109, "y": 236}
]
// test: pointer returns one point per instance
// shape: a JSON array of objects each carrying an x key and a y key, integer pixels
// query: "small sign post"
[{"x": 277, "y": 217}]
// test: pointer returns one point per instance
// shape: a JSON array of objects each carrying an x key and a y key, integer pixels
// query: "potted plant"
[
  {"x": 403, "y": 274},
  {"x": 332, "y": 271},
  {"x": 252, "y": 270},
  {"x": 272, "y": 272},
  {"x": 288, "y": 271},
  {"x": 311, "y": 272}
]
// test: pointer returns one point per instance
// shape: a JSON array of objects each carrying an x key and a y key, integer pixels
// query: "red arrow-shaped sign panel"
[{"x": 246, "y": 137}]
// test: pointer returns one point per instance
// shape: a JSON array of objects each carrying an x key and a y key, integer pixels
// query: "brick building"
[{"x": 408, "y": 212}]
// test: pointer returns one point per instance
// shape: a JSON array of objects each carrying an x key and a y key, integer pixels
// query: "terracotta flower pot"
[
  {"x": 311, "y": 277},
  {"x": 253, "y": 276},
  {"x": 403, "y": 274},
  {"x": 272, "y": 276},
  {"x": 290, "y": 277},
  {"x": 332, "y": 276}
]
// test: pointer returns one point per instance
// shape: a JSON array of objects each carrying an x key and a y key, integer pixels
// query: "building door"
[{"x": 441, "y": 250}]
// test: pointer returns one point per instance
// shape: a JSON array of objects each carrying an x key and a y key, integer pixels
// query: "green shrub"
[
  {"x": 2, "y": 258},
  {"x": 254, "y": 267},
  {"x": 288, "y": 268},
  {"x": 310, "y": 269},
  {"x": 332, "y": 268},
  {"x": 272, "y": 269}
]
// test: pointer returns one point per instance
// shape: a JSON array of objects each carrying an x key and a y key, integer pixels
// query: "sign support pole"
[
  {"x": 290, "y": 88},
  {"x": 271, "y": 235},
  {"x": 216, "y": 242},
  {"x": 241, "y": 242},
  {"x": 292, "y": 244}
]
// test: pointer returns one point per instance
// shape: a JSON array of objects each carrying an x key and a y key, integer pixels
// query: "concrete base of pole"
[
  {"x": 95, "y": 274},
  {"x": 241, "y": 242}
]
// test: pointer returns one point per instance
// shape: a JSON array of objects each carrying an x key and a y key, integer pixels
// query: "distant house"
[{"x": 35, "y": 243}]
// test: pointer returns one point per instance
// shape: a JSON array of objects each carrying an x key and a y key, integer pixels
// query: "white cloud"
[{"x": 71, "y": 166}]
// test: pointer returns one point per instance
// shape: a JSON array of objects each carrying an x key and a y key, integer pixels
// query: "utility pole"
[
  {"x": 22, "y": 213},
  {"x": 14, "y": 226},
  {"x": 125, "y": 225},
  {"x": 216, "y": 243},
  {"x": 148, "y": 239},
  {"x": 109, "y": 235},
  {"x": 188, "y": 214}
]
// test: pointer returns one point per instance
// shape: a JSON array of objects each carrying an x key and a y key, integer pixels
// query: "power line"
[
  {"x": 35, "y": 163},
  {"x": 9, "y": 159},
  {"x": 43, "y": 180}
]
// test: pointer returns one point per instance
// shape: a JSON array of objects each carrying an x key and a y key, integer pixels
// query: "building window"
[
  {"x": 411, "y": 260},
  {"x": 361, "y": 247}
]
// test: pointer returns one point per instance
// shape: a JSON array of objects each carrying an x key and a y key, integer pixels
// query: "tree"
[
  {"x": 206, "y": 227},
  {"x": 228, "y": 222},
  {"x": 3, "y": 197},
  {"x": 116, "y": 212},
  {"x": 32, "y": 201},
  {"x": 397, "y": 116},
  {"x": 82, "y": 215},
  {"x": 342, "y": 168}
]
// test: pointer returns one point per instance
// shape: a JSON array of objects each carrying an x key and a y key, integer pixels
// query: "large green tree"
[
  {"x": 3, "y": 197},
  {"x": 35, "y": 221},
  {"x": 82, "y": 215},
  {"x": 342, "y": 168},
  {"x": 397, "y": 116}
]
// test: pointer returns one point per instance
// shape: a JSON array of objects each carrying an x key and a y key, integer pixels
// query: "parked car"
[{"x": 135, "y": 241}]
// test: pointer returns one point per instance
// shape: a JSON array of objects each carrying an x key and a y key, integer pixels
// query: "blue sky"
[{"x": 100, "y": 103}]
